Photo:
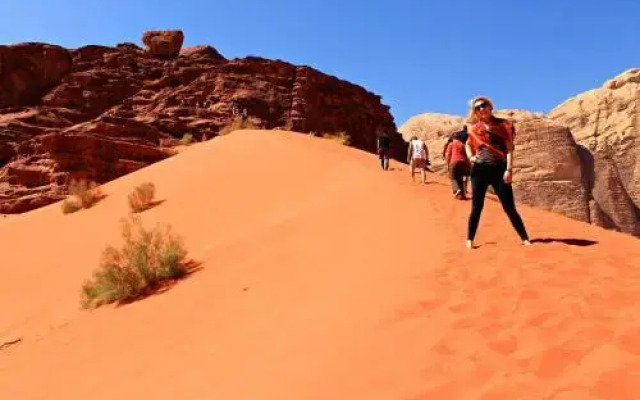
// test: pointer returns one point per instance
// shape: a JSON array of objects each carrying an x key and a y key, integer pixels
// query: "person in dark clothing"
[
  {"x": 462, "y": 135},
  {"x": 490, "y": 150},
  {"x": 457, "y": 163},
  {"x": 446, "y": 146},
  {"x": 384, "y": 150}
]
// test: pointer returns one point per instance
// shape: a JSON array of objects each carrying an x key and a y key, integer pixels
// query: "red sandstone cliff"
[{"x": 100, "y": 112}]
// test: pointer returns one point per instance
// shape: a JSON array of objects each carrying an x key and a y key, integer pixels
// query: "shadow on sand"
[
  {"x": 570, "y": 242},
  {"x": 97, "y": 199},
  {"x": 191, "y": 266},
  {"x": 151, "y": 205}
]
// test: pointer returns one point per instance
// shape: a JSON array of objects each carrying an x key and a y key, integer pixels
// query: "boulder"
[
  {"x": 163, "y": 44},
  {"x": 29, "y": 70},
  {"x": 547, "y": 168},
  {"x": 201, "y": 52}
]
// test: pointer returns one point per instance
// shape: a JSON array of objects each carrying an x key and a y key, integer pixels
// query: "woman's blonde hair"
[{"x": 471, "y": 118}]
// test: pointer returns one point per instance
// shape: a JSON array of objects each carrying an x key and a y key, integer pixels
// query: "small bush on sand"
[
  {"x": 169, "y": 142},
  {"x": 86, "y": 191},
  {"x": 340, "y": 137},
  {"x": 82, "y": 194},
  {"x": 147, "y": 259},
  {"x": 142, "y": 197},
  {"x": 237, "y": 124},
  {"x": 70, "y": 205},
  {"x": 187, "y": 139}
]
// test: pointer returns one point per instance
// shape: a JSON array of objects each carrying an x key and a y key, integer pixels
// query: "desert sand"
[{"x": 321, "y": 277}]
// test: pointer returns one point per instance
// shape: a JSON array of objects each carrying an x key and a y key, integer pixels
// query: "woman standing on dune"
[{"x": 490, "y": 150}]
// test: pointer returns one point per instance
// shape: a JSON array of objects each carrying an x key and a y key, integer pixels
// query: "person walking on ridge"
[
  {"x": 490, "y": 149},
  {"x": 464, "y": 135},
  {"x": 384, "y": 150},
  {"x": 418, "y": 157},
  {"x": 457, "y": 163}
]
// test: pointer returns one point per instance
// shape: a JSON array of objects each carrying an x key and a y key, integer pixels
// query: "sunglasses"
[{"x": 481, "y": 106}]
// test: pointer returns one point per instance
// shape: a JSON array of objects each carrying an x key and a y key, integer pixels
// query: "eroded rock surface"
[
  {"x": 606, "y": 124},
  {"x": 99, "y": 112}
]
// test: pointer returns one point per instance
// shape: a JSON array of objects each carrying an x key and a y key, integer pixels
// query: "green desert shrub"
[
  {"x": 142, "y": 197},
  {"x": 147, "y": 259}
]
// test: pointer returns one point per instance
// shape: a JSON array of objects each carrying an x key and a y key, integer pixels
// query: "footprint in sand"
[
  {"x": 622, "y": 382},
  {"x": 418, "y": 309},
  {"x": 630, "y": 341},
  {"x": 554, "y": 361},
  {"x": 505, "y": 344},
  {"x": 465, "y": 307},
  {"x": 465, "y": 323}
]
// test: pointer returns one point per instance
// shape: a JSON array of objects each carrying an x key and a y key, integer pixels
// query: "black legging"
[
  {"x": 483, "y": 175},
  {"x": 457, "y": 172}
]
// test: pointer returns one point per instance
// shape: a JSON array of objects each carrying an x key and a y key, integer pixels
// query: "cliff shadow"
[{"x": 587, "y": 165}]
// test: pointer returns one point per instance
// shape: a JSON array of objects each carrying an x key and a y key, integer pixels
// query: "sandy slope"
[{"x": 322, "y": 278}]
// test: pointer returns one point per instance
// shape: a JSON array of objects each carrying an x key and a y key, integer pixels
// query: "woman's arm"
[
  {"x": 470, "y": 155},
  {"x": 508, "y": 174},
  {"x": 447, "y": 155}
]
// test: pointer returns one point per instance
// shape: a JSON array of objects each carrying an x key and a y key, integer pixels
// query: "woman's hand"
[{"x": 508, "y": 176}]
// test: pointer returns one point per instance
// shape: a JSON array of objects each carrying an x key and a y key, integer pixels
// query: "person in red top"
[
  {"x": 490, "y": 150},
  {"x": 457, "y": 163}
]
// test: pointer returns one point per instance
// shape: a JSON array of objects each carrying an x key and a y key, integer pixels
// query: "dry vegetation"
[
  {"x": 187, "y": 139},
  {"x": 340, "y": 137},
  {"x": 142, "y": 197},
  {"x": 82, "y": 194},
  {"x": 289, "y": 125},
  {"x": 147, "y": 259},
  {"x": 237, "y": 124}
]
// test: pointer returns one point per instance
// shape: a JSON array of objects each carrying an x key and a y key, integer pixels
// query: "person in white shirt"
[{"x": 418, "y": 157}]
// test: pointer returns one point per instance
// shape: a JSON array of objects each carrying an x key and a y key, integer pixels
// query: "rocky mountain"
[
  {"x": 99, "y": 112},
  {"x": 581, "y": 160},
  {"x": 605, "y": 123}
]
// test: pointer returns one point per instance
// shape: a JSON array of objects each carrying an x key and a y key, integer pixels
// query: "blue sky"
[{"x": 419, "y": 55}]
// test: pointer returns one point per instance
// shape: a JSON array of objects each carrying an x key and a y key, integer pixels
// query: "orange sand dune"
[{"x": 322, "y": 277}]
